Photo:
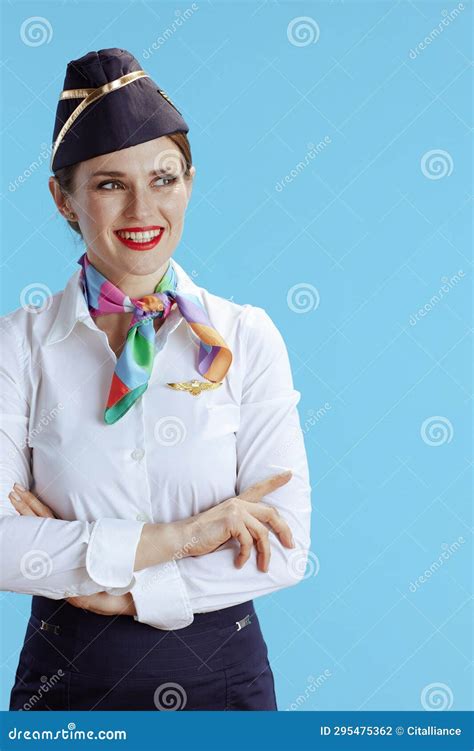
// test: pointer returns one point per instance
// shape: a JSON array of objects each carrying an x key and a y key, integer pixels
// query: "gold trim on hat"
[
  {"x": 89, "y": 96},
  {"x": 165, "y": 96},
  {"x": 75, "y": 93}
]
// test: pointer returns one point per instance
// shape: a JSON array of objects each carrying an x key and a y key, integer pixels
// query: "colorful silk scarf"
[{"x": 135, "y": 363}]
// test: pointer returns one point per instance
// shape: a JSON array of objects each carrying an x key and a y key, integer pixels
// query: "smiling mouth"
[{"x": 140, "y": 238}]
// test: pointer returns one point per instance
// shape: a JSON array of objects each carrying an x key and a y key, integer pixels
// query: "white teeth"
[{"x": 140, "y": 236}]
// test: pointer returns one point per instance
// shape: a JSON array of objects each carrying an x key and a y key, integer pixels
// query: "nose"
[{"x": 140, "y": 207}]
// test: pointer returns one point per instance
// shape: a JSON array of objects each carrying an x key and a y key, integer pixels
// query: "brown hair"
[{"x": 65, "y": 176}]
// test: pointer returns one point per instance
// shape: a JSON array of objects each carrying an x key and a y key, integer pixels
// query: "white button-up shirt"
[{"x": 172, "y": 455}]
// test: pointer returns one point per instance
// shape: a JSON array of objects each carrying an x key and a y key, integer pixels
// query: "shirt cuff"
[
  {"x": 110, "y": 557},
  {"x": 161, "y": 598}
]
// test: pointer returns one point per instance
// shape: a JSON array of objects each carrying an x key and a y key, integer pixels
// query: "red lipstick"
[{"x": 140, "y": 238}]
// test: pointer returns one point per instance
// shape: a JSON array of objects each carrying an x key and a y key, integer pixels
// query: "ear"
[{"x": 59, "y": 198}]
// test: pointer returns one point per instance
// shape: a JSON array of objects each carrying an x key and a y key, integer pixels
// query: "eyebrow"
[{"x": 122, "y": 174}]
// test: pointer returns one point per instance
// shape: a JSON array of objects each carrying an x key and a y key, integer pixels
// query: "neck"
[{"x": 132, "y": 285}]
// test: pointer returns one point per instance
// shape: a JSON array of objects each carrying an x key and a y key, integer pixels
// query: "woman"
[{"x": 144, "y": 420}]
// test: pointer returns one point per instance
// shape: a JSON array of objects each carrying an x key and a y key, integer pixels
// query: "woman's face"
[{"x": 141, "y": 189}]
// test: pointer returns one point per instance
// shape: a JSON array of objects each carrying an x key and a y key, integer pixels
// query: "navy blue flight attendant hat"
[{"x": 109, "y": 103}]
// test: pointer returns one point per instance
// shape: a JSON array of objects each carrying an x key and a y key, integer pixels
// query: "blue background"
[{"x": 373, "y": 232}]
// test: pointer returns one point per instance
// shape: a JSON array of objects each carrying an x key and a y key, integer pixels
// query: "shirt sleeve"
[
  {"x": 269, "y": 440},
  {"x": 44, "y": 556}
]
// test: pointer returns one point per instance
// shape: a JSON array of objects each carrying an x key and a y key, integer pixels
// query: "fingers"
[
  {"x": 103, "y": 603},
  {"x": 255, "y": 516},
  {"x": 20, "y": 505},
  {"x": 93, "y": 603},
  {"x": 270, "y": 515},
  {"x": 261, "y": 537},
  {"x": 28, "y": 504},
  {"x": 249, "y": 531},
  {"x": 77, "y": 602},
  {"x": 255, "y": 492},
  {"x": 242, "y": 534}
]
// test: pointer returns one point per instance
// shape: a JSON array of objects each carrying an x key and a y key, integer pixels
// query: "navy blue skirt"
[{"x": 74, "y": 659}]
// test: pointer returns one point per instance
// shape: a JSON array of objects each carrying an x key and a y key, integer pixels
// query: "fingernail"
[
  {"x": 15, "y": 497},
  {"x": 19, "y": 487}
]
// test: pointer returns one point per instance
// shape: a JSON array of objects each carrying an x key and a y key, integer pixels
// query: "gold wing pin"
[{"x": 194, "y": 387}]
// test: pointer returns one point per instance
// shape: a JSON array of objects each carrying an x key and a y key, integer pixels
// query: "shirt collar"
[{"x": 73, "y": 306}]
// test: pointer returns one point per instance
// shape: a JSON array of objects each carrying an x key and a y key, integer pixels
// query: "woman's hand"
[
  {"x": 28, "y": 504},
  {"x": 243, "y": 518},
  {"x": 102, "y": 603}
]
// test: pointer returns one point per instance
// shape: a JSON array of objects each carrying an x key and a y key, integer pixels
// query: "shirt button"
[{"x": 137, "y": 454}]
